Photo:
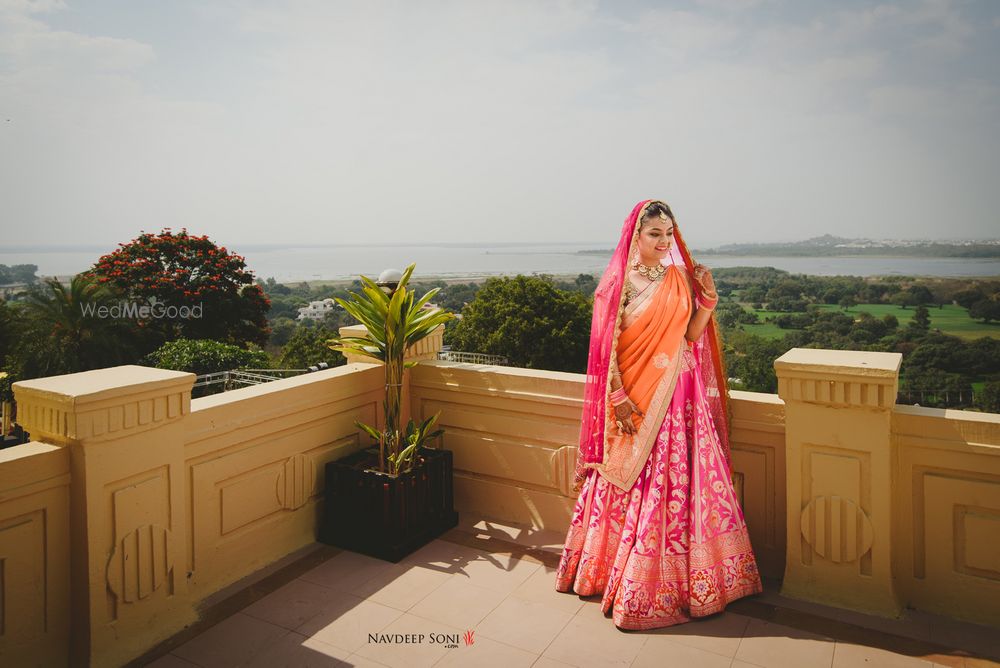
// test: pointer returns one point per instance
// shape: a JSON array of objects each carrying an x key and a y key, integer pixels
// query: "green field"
[
  {"x": 950, "y": 319},
  {"x": 767, "y": 330}
]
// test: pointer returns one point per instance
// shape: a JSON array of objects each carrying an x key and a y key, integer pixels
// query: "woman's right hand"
[{"x": 623, "y": 414}]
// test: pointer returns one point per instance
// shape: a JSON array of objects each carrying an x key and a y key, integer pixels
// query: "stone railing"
[
  {"x": 134, "y": 503},
  {"x": 887, "y": 506},
  {"x": 34, "y": 555},
  {"x": 139, "y": 503}
]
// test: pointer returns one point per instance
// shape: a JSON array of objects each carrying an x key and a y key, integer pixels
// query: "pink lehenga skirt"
[{"x": 675, "y": 546}]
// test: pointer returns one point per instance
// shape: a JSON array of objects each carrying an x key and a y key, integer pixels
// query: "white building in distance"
[{"x": 317, "y": 310}]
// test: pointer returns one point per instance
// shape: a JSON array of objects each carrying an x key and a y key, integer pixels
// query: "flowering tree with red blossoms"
[{"x": 180, "y": 270}]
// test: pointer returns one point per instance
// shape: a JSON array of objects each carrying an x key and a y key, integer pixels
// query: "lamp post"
[{"x": 388, "y": 280}]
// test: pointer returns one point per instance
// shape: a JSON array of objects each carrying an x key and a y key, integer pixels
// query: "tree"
[
  {"x": 529, "y": 320},
  {"x": 966, "y": 298},
  {"x": 731, "y": 314},
  {"x": 272, "y": 287},
  {"x": 9, "y": 336},
  {"x": 206, "y": 356},
  {"x": 307, "y": 346},
  {"x": 202, "y": 290},
  {"x": 981, "y": 357},
  {"x": 285, "y": 306},
  {"x": 921, "y": 319},
  {"x": 904, "y": 298},
  {"x": 989, "y": 399},
  {"x": 847, "y": 301},
  {"x": 833, "y": 295},
  {"x": 935, "y": 351},
  {"x": 750, "y": 358},
  {"x": 18, "y": 273},
  {"x": 8, "y": 325},
  {"x": 937, "y": 387},
  {"x": 754, "y": 294},
  {"x": 65, "y": 329},
  {"x": 985, "y": 310},
  {"x": 282, "y": 330},
  {"x": 586, "y": 284},
  {"x": 455, "y": 296},
  {"x": 787, "y": 304},
  {"x": 921, "y": 294},
  {"x": 793, "y": 320},
  {"x": 790, "y": 288}
]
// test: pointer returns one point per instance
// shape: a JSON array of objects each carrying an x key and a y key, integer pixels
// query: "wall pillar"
[
  {"x": 128, "y": 523},
  {"x": 838, "y": 409}
]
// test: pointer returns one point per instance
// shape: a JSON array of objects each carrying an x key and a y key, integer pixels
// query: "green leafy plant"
[
  {"x": 203, "y": 356},
  {"x": 394, "y": 322}
]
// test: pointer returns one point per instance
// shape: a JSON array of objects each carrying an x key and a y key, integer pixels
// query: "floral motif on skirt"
[{"x": 673, "y": 547}]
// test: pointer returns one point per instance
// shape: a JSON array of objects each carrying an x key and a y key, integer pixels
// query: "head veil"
[{"x": 604, "y": 328}]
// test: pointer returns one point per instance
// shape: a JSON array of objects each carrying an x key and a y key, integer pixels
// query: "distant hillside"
[{"x": 829, "y": 245}]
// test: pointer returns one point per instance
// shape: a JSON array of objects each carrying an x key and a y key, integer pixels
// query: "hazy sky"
[{"x": 332, "y": 122}]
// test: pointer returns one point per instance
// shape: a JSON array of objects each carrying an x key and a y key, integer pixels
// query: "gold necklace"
[{"x": 652, "y": 273}]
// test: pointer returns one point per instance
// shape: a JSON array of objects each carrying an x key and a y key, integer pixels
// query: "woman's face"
[{"x": 655, "y": 239}]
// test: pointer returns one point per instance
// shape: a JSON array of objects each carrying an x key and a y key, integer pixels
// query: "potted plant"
[{"x": 388, "y": 500}]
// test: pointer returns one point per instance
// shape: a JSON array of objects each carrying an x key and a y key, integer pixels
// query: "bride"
[{"x": 656, "y": 528}]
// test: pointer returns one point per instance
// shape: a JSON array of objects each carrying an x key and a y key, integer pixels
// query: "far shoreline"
[{"x": 450, "y": 279}]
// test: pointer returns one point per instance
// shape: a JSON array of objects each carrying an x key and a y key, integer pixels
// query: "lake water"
[{"x": 297, "y": 263}]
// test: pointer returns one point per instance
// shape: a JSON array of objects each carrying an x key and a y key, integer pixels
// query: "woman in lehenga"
[{"x": 656, "y": 528}]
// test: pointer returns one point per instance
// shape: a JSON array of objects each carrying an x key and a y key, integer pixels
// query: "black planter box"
[{"x": 385, "y": 517}]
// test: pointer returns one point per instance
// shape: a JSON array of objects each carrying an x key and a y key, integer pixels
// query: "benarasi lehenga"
[{"x": 657, "y": 528}]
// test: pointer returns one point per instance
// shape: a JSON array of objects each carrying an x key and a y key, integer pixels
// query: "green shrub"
[{"x": 201, "y": 356}]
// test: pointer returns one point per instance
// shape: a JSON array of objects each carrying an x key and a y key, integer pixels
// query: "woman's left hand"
[
  {"x": 623, "y": 416},
  {"x": 703, "y": 275}
]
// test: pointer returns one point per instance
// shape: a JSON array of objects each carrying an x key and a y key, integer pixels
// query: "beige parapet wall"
[
  {"x": 946, "y": 519},
  {"x": 34, "y": 555},
  {"x": 254, "y": 461},
  {"x": 135, "y": 504},
  {"x": 838, "y": 407},
  {"x": 757, "y": 445},
  {"x": 168, "y": 500},
  {"x": 123, "y": 428},
  {"x": 888, "y": 506},
  {"x": 513, "y": 433}
]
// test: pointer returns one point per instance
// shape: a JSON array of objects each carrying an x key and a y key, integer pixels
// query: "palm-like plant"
[
  {"x": 394, "y": 322},
  {"x": 65, "y": 333}
]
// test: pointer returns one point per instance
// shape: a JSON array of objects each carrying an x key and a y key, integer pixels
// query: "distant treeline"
[
  {"x": 795, "y": 250},
  {"x": 19, "y": 273},
  {"x": 831, "y": 246}
]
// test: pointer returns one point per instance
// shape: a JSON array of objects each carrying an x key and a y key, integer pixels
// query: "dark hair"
[{"x": 654, "y": 210}]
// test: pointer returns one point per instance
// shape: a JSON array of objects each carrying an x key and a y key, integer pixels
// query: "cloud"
[
  {"x": 949, "y": 31},
  {"x": 681, "y": 33},
  {"x": 732, "y": 5},
  {"x": 468, "y": 121},
  {"x": 36, "y": 56},
  {"x": 24, "y": 7}
]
